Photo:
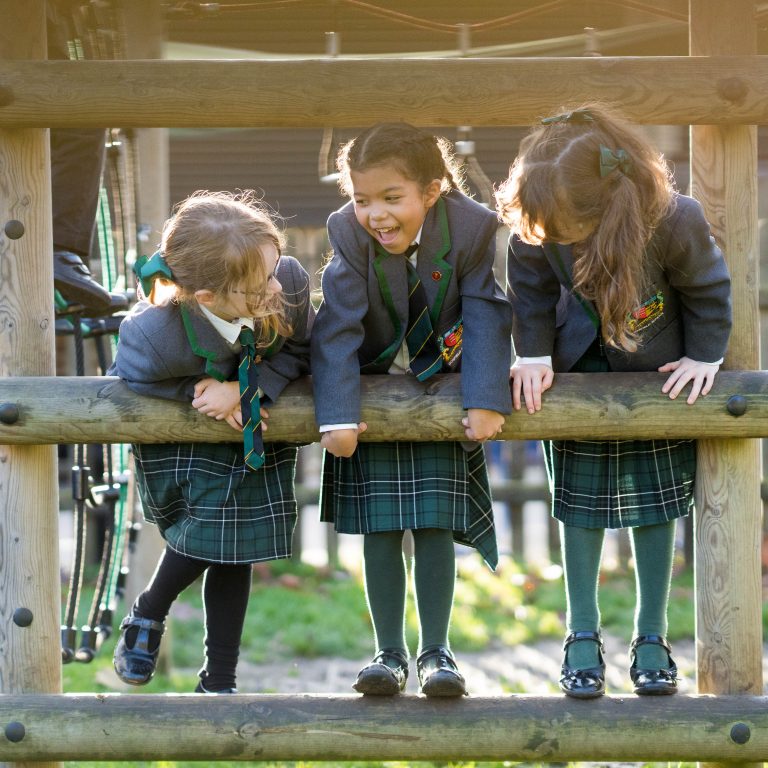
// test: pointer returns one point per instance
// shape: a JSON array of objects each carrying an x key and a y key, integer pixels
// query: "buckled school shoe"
[
  {"x": 586, "y": 683},
  {"x": 652, "y": 682},
  {"x": 386, "y": 675},
  {"x": 136, "y": 665},
  {"x": 439, "y": 675}
]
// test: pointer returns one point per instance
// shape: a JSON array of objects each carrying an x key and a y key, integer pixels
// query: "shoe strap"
[
  {"x": 651, "y": 640},
  {"x": 443, "y": 656},
  {"x": 573, "y": 637},
  {"x": 145, "y": 626},
  {"x": 383, "y": 655},
  {"x": 142, "y": 623}
]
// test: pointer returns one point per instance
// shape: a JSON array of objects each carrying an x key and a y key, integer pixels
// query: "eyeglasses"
[{"x": 256, "y": 294}]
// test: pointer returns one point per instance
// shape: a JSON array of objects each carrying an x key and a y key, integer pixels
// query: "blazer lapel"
[
  {"x": 208, "y": 344},
  {"x": 393, "y": 285},
  {"x": 561, "y": 257},
  {"x": 435, "y": 272}
]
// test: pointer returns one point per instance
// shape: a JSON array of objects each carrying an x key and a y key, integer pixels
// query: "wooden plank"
[
  {"x": 30, "y": 655},
  {"x": 728, "y": 505},
  {"x": 318, "y": 92},
  {"x": 142, "y": 25},
  {"x": 599, "y": 405},
  {"x": 525, "y": 728}
]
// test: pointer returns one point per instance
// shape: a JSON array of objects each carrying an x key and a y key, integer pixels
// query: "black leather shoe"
[
  {"x": 73, "y": 280},
  {"x": 386, "y": 675},
  {"x": 200, "y": 688},
  {"x": 438, "y": 674},
  {"x": 652, "y": 682},
  {"x": 136, "y": 665},
  {"x": 583, "y": 683}
]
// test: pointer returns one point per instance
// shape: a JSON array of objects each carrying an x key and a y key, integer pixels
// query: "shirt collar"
[
  {"x": 228, "y": 330},
  {"x": 415, "y": 245}
]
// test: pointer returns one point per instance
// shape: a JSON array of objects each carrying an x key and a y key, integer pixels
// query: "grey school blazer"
[
  {"x": 686, "y": 310},
  {"x": 164, "y": 350},
  {"x": 364, "y": 315}
]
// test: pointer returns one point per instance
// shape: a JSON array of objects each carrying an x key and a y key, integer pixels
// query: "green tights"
[
  {"x": 653, "y": 548},
  {"x": 434, "y": 576}
]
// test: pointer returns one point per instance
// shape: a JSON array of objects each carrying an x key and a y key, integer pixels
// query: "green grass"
[
  {"x": 358, "y": 764},
  {"x": 298, "y": 610}
]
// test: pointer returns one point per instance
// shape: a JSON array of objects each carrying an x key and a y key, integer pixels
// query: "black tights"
[{"x": 226, "y": 589}]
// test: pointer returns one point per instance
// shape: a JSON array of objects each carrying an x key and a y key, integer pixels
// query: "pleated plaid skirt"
[
  {"x": 400, "y": 486},
  {"x": 207, "y": 505},
  {"x": 619, "y": 483}
]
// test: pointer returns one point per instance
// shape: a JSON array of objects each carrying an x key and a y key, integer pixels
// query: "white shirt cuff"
[
  {"x": 543, "y": 360},
  {"x": 331, "y": 427}
]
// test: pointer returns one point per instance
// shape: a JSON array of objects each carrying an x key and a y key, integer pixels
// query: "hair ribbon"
[
  {"x": 149, "y": 268},
  {"x": 575, "y": 116},
  {"x": 614, "y": 160}
]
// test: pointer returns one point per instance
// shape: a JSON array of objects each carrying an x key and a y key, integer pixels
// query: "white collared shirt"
[{"x": 229, "y": 330}]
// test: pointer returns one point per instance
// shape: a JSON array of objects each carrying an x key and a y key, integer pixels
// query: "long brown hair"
[
  {"x": 213, "y": 242},
  {"x": 416, "y": 154},
  {"x": 557, "y": 175}
]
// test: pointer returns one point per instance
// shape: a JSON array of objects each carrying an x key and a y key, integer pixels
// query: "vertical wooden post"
[
  {"x": 142, "y": 23},
  {"x": 727, "y": 557},
  {"x": 30, "y": 646}
]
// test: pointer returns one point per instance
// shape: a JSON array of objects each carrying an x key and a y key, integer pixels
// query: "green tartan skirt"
[
  {"x": 400, "y": 486},
  {"x": 209, "y": 506},
  {"x": 618, "y": 483}
]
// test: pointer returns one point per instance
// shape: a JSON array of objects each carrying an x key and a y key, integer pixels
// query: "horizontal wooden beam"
[
  {"x": 348, "y": 92},
  {"x": 95, "y": 409},
  {"x": 304, "y": 727}
]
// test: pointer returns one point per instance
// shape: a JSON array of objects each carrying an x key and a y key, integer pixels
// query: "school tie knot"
[
  {"x": 248, "y": 378},
  {"x": 247, "y": 339},
  {"x": 423, "y": 349}
]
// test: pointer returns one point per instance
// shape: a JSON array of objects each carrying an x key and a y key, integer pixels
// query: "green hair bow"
[
  {"x": 614, "y": 160},
  {"x": 149, "y": 268}
]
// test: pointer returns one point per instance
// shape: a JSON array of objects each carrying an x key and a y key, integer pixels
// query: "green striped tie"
[
  {"x": 248, "y": 377},
  {"x": 424, "y": 352}
]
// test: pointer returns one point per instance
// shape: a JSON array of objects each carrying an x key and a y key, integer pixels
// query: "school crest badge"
[
  {"x": 450, "y": 343},
  {"x": 647, "y": 313}
]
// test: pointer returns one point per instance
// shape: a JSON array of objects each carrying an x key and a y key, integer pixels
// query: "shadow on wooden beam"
[{"x": 44, "y": 410}]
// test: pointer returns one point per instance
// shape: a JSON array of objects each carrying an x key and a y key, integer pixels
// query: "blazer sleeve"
[
  {"x": 292, "y": 358},
  {"x": 696, "y": 269},
  {"x": 143, "y": 365},
  {"x": 487, "y": 320},
  {"x": 534, "y": 291},
  {"x": 338, "y": 332}
]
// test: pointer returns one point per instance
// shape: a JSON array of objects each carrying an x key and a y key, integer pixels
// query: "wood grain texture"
[
  {"x": 319, "y": 92},
  {"x": 30, "y": 656},
  {"x": 524, "y": 728},
  {"x": 71, "y": 409},
  {"x": 728, "y": 506}
]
